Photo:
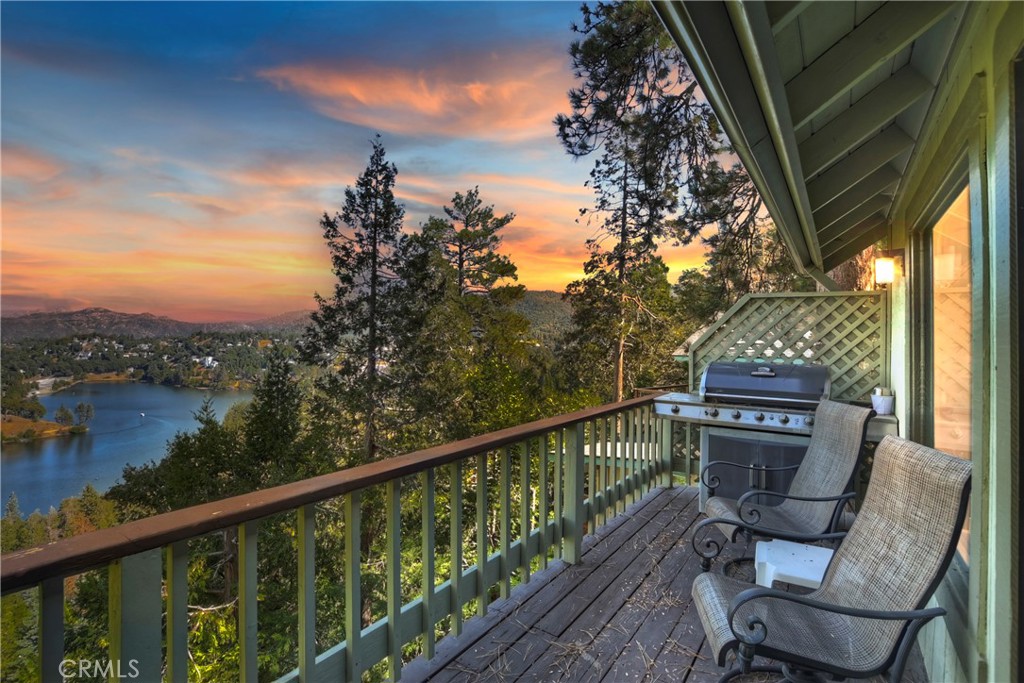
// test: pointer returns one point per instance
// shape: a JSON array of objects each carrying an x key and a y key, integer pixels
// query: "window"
[{"x": 951, "y": 335}]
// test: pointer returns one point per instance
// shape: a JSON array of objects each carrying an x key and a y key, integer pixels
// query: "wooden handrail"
[{"x": 25, "y": 568}]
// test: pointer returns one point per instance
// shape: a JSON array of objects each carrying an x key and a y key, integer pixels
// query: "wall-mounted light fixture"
[{"x": 885, "y": 266}]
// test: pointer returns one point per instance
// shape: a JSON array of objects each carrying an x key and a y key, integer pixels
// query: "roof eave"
[{"x": 722, "y": 42}]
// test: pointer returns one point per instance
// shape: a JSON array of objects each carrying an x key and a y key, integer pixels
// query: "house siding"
[{"x": 972, "y": 121}]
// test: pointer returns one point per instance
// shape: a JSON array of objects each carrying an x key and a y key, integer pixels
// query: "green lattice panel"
[{"x": 846, "y": 331}]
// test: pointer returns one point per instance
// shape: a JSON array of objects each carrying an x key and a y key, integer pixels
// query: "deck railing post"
[
  {"x": 176, "y": 569},
  {"x": 393, "y": 573},
  {"x": 353, "y": 589},
  {"x": 51, "y": 628},
  {"x": 306, "y": 526},
  {"x": 542, "y": 458},
  {"x": 455, "y": 470},
  {"x": 505, "y": 521},
  {"x": 573, "y": 510},
  {"x": 135, "y": 611},
  {"x": 665, "y": 451},
  {"x": 525, "y": 510},
  {"x": 482, "y": 596},
  {"x": 247, "y": 592},
  {"x": 427, "y": 483}
]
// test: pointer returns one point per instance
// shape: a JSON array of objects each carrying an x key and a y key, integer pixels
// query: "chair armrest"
[
  {"x": 758, "y": 630},
  {"x": 753, "y": 515},
  {"x": 711, "y": 481},
  {"x": 781, "y": 534}
]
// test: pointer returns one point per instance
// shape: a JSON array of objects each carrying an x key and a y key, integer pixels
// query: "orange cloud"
[
  {"x": 23, "y": 163},
  {"x": 507, "y": 97}
]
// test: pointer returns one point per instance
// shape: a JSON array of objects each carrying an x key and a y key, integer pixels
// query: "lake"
[{"x": 132, "y": 425}]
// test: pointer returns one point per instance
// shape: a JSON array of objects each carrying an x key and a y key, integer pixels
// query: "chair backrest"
[
  {"x": 832, "y": 459},
  {"x": 905, "y": 535}
]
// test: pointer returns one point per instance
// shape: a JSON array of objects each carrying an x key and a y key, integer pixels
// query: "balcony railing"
[{"x": 575, "y": 472}]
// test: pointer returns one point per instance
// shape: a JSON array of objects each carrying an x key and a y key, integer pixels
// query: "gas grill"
[{"x": 758, "y": 415}]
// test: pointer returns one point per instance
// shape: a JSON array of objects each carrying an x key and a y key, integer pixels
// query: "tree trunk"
[
  {"x": 371, "y": 360},
  {"x": 620, "y": 352}
]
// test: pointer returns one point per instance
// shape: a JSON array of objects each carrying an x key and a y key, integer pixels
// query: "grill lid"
[{"x": 758, "y": 383}]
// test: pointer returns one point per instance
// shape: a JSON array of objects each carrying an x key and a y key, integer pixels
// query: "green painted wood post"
[
  {"x": 644, "y": 449},
  {"x": 665, "y": 452},
  {"x": 505, "y": 521},
  {"x": 622, "y": 433},
  {"x": 393, "y": 558},
  {"x": 135, "y": 615},
  {"x": 609, "y": 469},
  {"x": 455, "y": 471},
  {"x": 592, "y": 475},
  {"x": 428, "y": 483},
  {"x": 574, "y": 514},
  {"x": 176, "y": 571},
  {"x": 559, "y": 488},
  {"x": 653, "y": 461},
  {"x": 353, "y": 513},
  {"x": 482, "y": 597},
  {"x": 525, "y": 508},
  {"x": 629, "y": 454},
  {"x": 306, "y": 526},
  {"x": 600, "y": 477},
  {"x": 545, "y": 512},
  {"x": 618, "y": 472},
  {"x": 247, "y": 591},
  {"x": 51, "y": 628}
]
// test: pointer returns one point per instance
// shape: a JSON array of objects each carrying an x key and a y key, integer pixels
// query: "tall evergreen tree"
[
  {"x": 469, "y": 240},
  {"x": 352, "y": 333},
  {"x": 636, "y": 107}
]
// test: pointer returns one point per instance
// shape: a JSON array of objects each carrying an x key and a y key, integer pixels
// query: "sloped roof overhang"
[{"x": 822, "y": 105}]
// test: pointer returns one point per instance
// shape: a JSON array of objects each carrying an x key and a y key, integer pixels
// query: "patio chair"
[
  {"x": 863, "y": 619},
  {"x": 812, "y": 507}
]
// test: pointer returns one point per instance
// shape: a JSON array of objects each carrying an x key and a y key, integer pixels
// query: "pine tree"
[
  {"x": 84, "y": 412},
  {"x": 352, "y": 333},
  {"x": 636, "y": 106},
  {"x": 469, "y": 240},
  {"x": 63, "y": 416}
]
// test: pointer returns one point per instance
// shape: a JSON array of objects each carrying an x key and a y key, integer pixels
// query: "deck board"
[{"x": 623, "y": 614}]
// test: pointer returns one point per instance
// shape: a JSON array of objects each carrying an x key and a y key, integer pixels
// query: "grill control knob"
[
  {"x": 759, "y": 417},
  {"x": 784, "y": 420},
  {"x": 675, "y": 410},
  {"x": 809, "y": 420},
  {"x": 735, "y": 414},
  {"x": 713, "y": 412}
]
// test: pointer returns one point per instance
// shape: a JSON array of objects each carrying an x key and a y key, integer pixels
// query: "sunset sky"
[{"x": 175, "y": 158}]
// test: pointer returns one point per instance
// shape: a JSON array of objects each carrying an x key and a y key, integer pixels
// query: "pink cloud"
[
  {"x": 24, "y": 163},
  {"x": 486, "y": 96}
]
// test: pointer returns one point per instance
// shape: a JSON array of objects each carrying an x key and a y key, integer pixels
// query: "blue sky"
[{"x": 175, "y": 157}]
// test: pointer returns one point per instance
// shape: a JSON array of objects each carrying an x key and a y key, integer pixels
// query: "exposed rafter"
[
  {"x": 864, "y": 119},
  {"x": 782, "y": 13},
  {"x": 867, "y": 234},
  {"x": 894, "y": 26},
  {"x": 869, "y": 157},
  {"x": 854, "y": 237},
  {"x": 882, "y": 180},
  {"x": 879, "y": 204},
  {"x": 830, "y": 192}
]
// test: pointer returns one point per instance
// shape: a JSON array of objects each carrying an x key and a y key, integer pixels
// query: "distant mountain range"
[
  {"x": 138, "y": 325},
  {"x": 545, "y": 309}
]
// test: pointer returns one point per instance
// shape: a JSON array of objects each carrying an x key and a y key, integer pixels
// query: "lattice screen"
[{"x": 847, "y": 331}]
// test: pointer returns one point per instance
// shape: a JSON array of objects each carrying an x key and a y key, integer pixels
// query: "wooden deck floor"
[{"x": 623, "y": 614}]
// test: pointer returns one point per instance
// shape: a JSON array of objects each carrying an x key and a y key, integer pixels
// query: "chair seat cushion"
[{"x": 796, "y": 633}]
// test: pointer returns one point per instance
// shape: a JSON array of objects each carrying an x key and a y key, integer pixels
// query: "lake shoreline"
[
  {"x": 13, "y": 429},
  {"x": 45, "y": 384},
  {"x": 132, "y": 425}
]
